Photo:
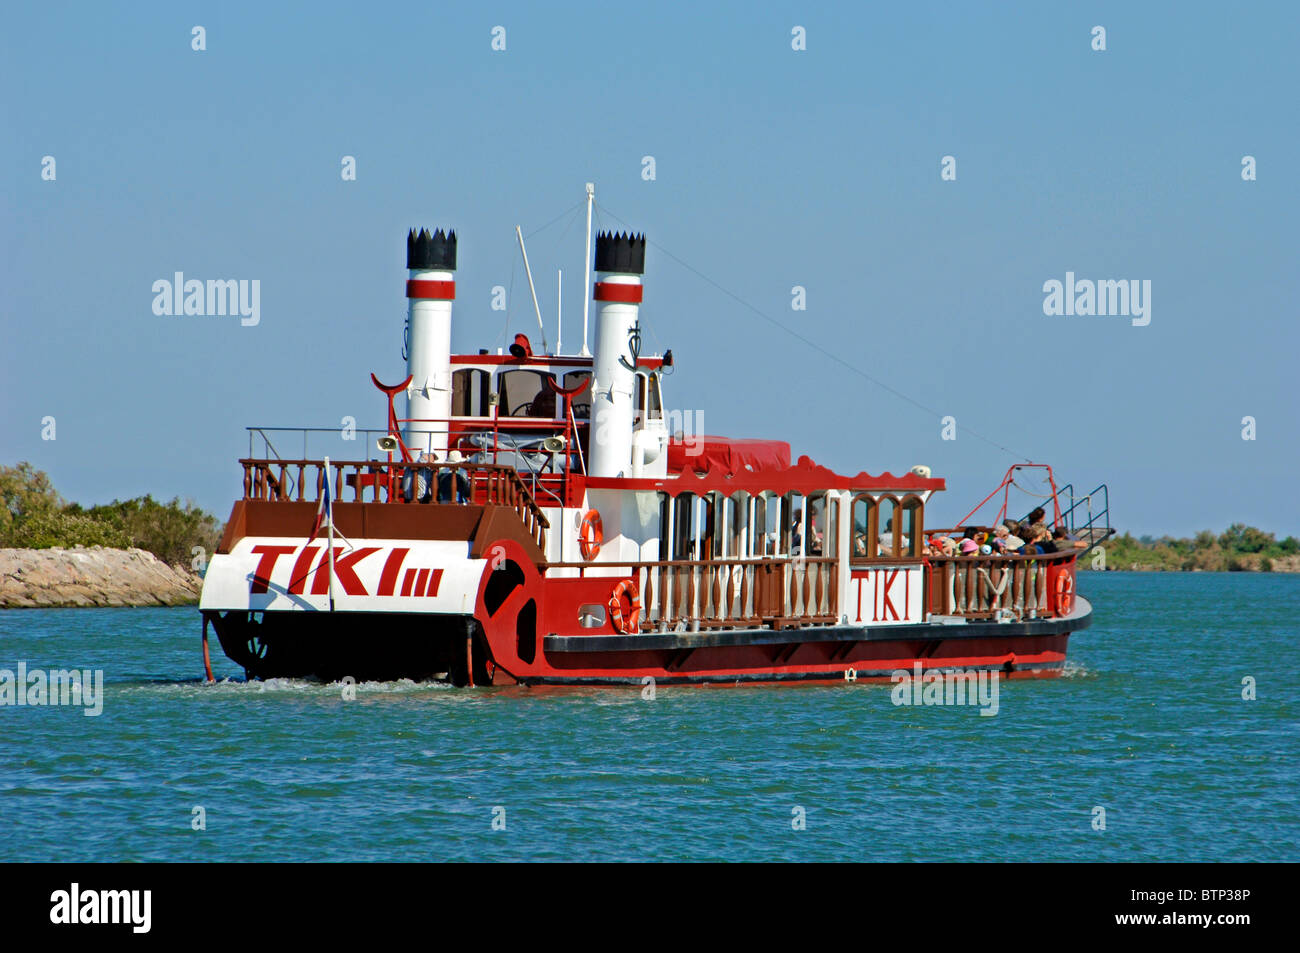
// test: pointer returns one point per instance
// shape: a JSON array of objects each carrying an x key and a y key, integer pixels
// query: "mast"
[
  {"x": 532, "y": 288},
  {"x": 586, "y": 280}
]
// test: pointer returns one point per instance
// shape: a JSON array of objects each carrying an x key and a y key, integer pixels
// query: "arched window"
[
  {"x": 647, "y": 396},
  {"x": 685, "y": 525},
  {"x": 913, "y": 526},
  {"x": 863, "y": 546},
  {"x": 890, "y": 538},
  {"x": 815, "y": 517}
]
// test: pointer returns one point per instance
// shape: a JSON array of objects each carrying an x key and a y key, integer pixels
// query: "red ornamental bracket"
[
  {"x": 392, "y": 390},
  {"x": 571, "y": 392}
]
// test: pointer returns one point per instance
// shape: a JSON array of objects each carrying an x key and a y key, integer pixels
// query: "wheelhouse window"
[
  {"x": 525, "y": 393},
  {"x": 469, "y": 393},
  {"x": 581, "y": 403}
]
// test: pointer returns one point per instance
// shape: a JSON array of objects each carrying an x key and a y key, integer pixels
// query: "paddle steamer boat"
[{"x": 531, "y": 520}]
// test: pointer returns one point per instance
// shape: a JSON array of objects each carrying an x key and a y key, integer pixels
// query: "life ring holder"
[
  {"x": 633, "y": 621},
  {"x": 1064, "y": 592},
  {"x": 591, "y": 534}
]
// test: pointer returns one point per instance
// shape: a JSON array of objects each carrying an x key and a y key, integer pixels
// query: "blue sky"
[{"x": 774, "y": 168}]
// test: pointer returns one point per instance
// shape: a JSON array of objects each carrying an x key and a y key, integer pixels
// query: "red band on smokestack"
[
  {"x": 626, "y": 294},
  {"x": 442, "y": 290}
]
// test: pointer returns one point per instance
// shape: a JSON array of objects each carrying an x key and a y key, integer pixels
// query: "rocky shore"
[{"x": 51, "y": 578}]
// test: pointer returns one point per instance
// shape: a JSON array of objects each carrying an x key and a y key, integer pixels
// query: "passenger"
[
  {"x": 949, "y": 546},
  {"x": 814, "y": 534},
  {"x": 886, "y": 540},
  {"x": 999, "y": 545},
  {"x": 451, "y": 476},
  {"x": 1038, "y": 541},
  {"x": 969, "y": 547},
  {"x": 986, "y": 550},
  {"x": 417, "y": 482},
  {"x": 796, "y": 534},
  {"x": 1038, "y": 515},
  {"x": 1065, "y": 541},
  {"x": 1006, "y": 532}
]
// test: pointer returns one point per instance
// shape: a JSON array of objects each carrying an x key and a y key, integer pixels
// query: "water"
[{"x": 1149, "y": 724}]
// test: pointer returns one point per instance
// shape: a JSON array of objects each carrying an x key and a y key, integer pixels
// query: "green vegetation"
[
  {"x": 34, "y": 516},
  {"x": 1239, "y": 548}
]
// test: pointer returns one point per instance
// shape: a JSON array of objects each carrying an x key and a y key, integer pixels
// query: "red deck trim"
[{"x": 804, "y": 477}]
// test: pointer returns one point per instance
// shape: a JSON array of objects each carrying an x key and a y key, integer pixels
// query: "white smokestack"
[
  {"x": 431, "y": 289},
  {"x": 620, "y": 263}
]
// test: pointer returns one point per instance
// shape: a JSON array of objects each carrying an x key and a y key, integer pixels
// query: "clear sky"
[{"x": 773, "y": 168}]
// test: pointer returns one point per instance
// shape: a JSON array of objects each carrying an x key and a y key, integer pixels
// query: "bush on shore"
[
  {"x": 1240, "y": 548},
  {"x": 34, "y": 516}
]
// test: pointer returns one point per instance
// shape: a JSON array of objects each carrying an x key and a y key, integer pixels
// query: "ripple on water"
[{"x": 1147, "y": 721}]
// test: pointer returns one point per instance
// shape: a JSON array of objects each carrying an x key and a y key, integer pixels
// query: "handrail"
[
  {"x": 391, "y": 483},
  {"x": 984, "y": 587},
  {"x": 694, "y": 594}
]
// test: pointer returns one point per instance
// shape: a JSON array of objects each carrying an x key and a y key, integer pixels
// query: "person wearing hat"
[
  {"x": 969, "y": 547},
  {"x": 1007, "y": 533},
  {"x": 453, "y": 475}
]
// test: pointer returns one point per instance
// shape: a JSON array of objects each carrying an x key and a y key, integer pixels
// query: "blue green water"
[{"x": 1149, "y": 724}]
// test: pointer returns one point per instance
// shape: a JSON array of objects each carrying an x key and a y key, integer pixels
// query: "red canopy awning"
[{"x": 727, "y": 455}]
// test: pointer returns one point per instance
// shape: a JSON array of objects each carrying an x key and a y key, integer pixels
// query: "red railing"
[{"x": 376, "y": 481}]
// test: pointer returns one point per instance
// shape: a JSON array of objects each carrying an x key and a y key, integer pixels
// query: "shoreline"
[{"x": 92, "y": 577}]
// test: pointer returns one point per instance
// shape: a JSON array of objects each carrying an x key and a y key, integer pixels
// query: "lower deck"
[{"x": 377, "y": 646}]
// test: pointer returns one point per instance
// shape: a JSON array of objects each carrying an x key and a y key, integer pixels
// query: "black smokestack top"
[
  {"x": 624, "y": 253},
  {"x": 431, "y": 251}
]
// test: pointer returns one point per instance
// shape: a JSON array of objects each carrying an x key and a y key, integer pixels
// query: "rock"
[{"x": 48, "y": 578}]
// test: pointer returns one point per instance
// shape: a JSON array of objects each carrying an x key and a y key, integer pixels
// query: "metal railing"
[
  {"x": 377, "y": 481},
  {"x": 545, "y": 476}
]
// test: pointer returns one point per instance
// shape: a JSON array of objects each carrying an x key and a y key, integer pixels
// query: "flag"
[{"x": 324, "y": 509}]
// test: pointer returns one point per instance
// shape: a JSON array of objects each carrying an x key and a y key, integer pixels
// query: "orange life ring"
[
  {"x": 1064, "y": 592},
  {"x": 590, "y": 535},
  {"x": 633, "y": 623}
]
